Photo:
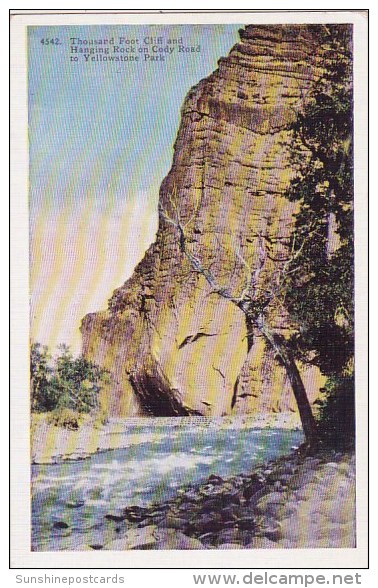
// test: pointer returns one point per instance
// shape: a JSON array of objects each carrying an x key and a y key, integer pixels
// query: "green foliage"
[
  {"x": 320, "y": 286},
  {"x": 337, "y": 413},
  {"x": 322, "y": 304},
  {"x": 64, "y": 382},
  {"x": 319, "y": 291},
  {"x": 64, "y": 417},
  {"x": 44, "y": 394}
]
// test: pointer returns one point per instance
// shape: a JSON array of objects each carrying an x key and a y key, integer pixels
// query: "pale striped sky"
[{"x": 101, "y": 141}]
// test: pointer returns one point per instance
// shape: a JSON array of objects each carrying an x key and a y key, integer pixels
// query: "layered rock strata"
[{"x": 173, "y": 346}]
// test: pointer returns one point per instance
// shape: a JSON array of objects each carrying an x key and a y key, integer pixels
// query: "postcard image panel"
[{"x": 192, "y": 232}]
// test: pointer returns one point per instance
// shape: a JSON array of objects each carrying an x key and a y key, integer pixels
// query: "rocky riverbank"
[{"x": 296, "y": 501}]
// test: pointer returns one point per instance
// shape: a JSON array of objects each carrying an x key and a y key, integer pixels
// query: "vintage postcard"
[{"x": 189, "y": 213}]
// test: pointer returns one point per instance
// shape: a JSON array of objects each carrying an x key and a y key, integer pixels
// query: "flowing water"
[{"x": 71, "y": 498}]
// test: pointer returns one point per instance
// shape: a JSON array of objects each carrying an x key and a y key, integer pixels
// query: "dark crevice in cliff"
[
  {"x": 235, "y": 393},
  {"x": 157, "y": 398},
  {"x": 193, "y": 338},
  {"x": 219, "y": 372}
]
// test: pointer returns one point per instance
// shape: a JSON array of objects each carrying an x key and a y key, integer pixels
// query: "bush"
[
  {"x": 337, "y": 412},
  {"x": 64, "y": 417},
  {"x": 64, "y": 383}
]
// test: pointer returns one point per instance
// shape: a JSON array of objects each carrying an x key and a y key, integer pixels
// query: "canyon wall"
[{"x": 172, "y": 345}]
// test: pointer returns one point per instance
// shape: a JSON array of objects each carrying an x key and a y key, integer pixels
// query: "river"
[{"x": 71, "y": 498}]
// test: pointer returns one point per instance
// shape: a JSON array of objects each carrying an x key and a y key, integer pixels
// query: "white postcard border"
[{"x": 21, "y": 555}]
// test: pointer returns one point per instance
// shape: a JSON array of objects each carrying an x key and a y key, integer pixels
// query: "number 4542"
[{"x": 55, "y": 41}]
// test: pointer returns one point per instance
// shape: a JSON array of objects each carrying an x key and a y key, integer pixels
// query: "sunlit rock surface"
[{"x": 174, "y": 347}]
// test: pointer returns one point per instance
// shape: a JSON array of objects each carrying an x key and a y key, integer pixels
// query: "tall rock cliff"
[{"x": 173, "y": 346}]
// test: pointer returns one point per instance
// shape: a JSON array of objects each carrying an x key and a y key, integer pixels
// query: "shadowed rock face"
[{"x": 173, "y": 346}]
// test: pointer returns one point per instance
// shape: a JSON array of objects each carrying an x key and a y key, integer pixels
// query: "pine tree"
[{"x": 320, "y": 289}]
